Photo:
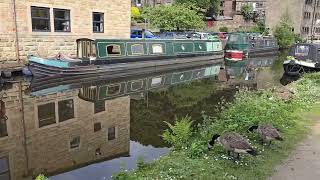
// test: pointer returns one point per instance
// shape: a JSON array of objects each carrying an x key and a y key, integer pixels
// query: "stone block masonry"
[{"x": 116, "y": 24}]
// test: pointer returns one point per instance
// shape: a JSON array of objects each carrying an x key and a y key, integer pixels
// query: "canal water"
[{"x": 90, "y": 128}]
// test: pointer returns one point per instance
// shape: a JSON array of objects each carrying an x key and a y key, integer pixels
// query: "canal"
[{"x": 90, "y": 128}]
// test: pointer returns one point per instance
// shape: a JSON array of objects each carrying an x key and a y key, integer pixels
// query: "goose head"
[
  {"x": 252, "y": 128},
  {"x": 211, "y": 143}
]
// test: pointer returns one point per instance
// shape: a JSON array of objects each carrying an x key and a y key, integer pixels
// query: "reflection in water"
[{"x": 85, "y": 129}]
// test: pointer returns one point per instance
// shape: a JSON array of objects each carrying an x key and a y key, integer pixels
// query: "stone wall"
[
  {"x": 234, "y": 24},
  {"x": 116, "y": 25},
  {"x": 275, "y": 9},
  {"x": 47, "y": 148}
]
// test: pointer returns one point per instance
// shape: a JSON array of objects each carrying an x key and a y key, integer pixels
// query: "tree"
[
  {"x": 247, "y": 12},
  {"x": 175, "y": 17},
  {"x": 205, "y": 7},
  {"x": 284, "y": 33}
]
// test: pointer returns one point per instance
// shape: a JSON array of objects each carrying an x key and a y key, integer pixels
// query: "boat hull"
[
  {"x": 121, "y": 69},
  {"x": 296, "y": 67}
]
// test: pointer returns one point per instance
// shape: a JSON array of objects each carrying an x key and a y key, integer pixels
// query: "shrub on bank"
[{"x": 193, "y": 160}]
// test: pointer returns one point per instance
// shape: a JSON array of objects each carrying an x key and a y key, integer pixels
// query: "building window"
[
  {"x": 307, "y": 15},
  {"x": 308, "y": 1},
  {"x": 4, "y": 169},
  {"x": 46, "y": 114},
  {"x": 99, "y": 106},
  {"x": 75, "y": 142},
  {"x": 96, "y": 127},
  {"x": 305, "y": 30},
  {"x": 3, "y": 128},
  {"x": 62, "y": 20},
  {"x": 98, "y": 22},
  {"x": 111, "y": 133},
  {"x": 40, "y": 17},
  {"x": 66, "y": 110}
]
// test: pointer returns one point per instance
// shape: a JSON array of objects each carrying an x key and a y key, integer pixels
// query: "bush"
[
  {"x": 284, "y": 33},
  {"x": 224, "y": 29},
  {"x": 41, "y": 177},
  {"x": 247, "y": 12},
  {"x": 179, "y": 134}
]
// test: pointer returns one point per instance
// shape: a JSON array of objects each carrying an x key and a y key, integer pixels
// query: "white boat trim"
[{"x": 302, "y": 63}]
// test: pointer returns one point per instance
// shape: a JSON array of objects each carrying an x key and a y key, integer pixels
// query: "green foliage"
[
  {"x": 140, "y": 162},
  {"x": 175, "y": 17},
  {"x": 249, "y": 107},
  {"x": 223, "y": 29},
  {"x": 179, "y": 134},
  {"x": 247, "y": 12},
  {"x": 206, "y": 7},
  {"x": 284, "y": 34},
  {"x": 41, "y": 177},
  {"x": 135, "y": 12}
]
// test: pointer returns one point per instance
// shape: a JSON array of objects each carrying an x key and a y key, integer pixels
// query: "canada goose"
[
  {"x": 267, "y": 133},
  {"x": 234, "y": 143}
]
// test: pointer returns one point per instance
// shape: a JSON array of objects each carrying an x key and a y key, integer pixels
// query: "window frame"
[
  {"x": 41, "y": 18},
  {"x": 8, "y": 167},
  {"x": 59, "y": 19},
  {"x": 93, "y": 21}
]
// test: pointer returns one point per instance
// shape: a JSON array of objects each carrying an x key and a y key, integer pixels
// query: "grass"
[{"x": 194, "y": 161}]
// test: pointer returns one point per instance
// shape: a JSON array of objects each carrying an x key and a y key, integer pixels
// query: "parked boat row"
[{"x": 119, "y": 58}]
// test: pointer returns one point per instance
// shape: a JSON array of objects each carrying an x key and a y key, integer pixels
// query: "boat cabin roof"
[{"x": 305, "y": 51}]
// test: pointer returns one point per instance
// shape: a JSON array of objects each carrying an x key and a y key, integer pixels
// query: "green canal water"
[{"x": 91, "y": 130}]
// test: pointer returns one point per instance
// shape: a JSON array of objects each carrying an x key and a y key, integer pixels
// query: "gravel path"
[{"x": 304, "y": 162}]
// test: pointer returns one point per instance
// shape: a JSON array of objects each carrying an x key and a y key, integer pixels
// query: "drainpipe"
[{"x": 16, "y": 30}]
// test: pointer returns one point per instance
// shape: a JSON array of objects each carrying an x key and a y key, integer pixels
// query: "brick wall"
[
  {"x": 48, "y": 147},
  {"x": 116, "y": 25}
]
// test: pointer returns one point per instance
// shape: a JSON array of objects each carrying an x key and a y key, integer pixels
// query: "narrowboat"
[
  {"x": 121, "y": 56},
  {"x": 302, "y": 57},
  {"x": 241, "y": 46},
  {"x": 103, "y": 87}
]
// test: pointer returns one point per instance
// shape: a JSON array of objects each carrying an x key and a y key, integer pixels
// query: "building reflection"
[{"x": 60, "y": 132}]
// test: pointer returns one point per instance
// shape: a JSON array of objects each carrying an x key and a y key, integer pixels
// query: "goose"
[
  {"x": 233, "y": 142},
  {"x": 267, "y": 133}
]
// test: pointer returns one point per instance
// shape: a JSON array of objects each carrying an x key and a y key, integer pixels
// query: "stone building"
[
  {"x": 60, "y": 132},
  {"x": 304, "y": 15},
  {"x": 47, "y": 27}
]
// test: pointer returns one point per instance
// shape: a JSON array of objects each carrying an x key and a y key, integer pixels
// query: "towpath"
[{"x": 304, "y": 161}]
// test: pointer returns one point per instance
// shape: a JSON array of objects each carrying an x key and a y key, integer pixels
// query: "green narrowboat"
[
  {"x": 118, "y": 56},
  {"x": 241, "y": 46}
]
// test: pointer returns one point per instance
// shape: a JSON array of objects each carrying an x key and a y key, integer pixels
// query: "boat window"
[
  {"x": 99, "y": 106},
  {"x": 157, "y": 81},
  {"x": 111, "y": 133},
  {"x": 302, "y": 50},
  {"x": 4, "y": 168},
  {"x": 46, "y": 114},
  {"x": 66, "y": 110},
  {"x": 113, "y": 89},
  {"x": 114, "y": 49},
  {"x": 267, "y": 43},
  {"x": 86, "y": 49},
  {"x": 75, "y": 142},
  {"x": 136, "y": 85},
  {"x": 233, "y": 38},
  {"x": 137, "y": 49},
  {"x": 157, "y": 49}
]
